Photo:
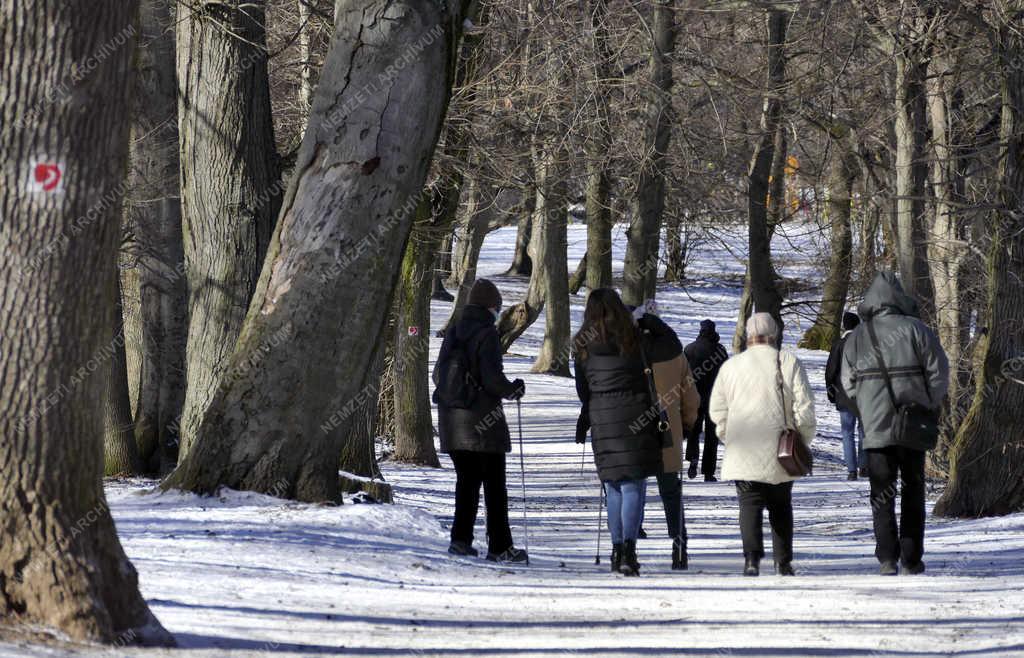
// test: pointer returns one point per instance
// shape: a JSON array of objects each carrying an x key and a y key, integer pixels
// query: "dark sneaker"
[
  {"x": 888, "y": 568},
  {"x": 710, "y": 478},
  {"x": 511, "y": 556},
  {"x": 913, "y": 569},
  {"x": 785, "y": 569},
  {"x": 852, "y": 475},
  {"x": 692, "y": 471},
  {"x": 461, "y": 548}
]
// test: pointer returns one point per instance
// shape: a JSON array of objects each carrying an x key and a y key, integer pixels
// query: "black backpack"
[{"x": 457, "y": 388}]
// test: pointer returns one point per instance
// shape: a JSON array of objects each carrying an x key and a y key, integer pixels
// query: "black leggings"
[{"x": 473, "y": 469}]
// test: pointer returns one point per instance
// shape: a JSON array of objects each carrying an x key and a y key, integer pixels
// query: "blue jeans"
[
  {"x": 625, "y": 506},
  {"x": 853, "y": 453}
]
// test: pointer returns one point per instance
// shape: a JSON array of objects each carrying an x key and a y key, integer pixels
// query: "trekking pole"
[
  {"x": 600, "y": 526},
  {"x": 522, "y": 473}
]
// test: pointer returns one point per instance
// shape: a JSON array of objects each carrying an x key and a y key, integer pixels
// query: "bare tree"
[
  {"x": 988, "y": 455},
  {"x": 61, "y": 563},
  {"x": 230, "y": 185},
  {"x": 335, "y": 255}
]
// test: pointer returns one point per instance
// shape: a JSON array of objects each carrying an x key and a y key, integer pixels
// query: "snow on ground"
[{"x": 248, "y": 575}]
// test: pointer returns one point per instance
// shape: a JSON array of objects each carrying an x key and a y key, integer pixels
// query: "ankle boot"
[
  {"x": 630, "y": 566},
  {"x": 753, "y": 566},
  {"x": 616, "y": 557},
  {"x": 679, "y": 559}
]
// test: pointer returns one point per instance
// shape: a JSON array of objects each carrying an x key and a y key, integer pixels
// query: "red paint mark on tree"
[
  {"x": 414, "y": 331},
  {"x": 48, "y": 175}
]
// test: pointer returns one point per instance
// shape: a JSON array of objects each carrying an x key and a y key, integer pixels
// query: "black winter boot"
[
  {"x": 616, "y": 557},
  {"x": 679, "y": 559},
  {"x": 630, "y": 566},
  {"x": 784, "y": 569},
  {"x": 752, "y": 566}
]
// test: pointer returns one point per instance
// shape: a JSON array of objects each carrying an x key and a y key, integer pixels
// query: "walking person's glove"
[{"x": 518, "y": 389}]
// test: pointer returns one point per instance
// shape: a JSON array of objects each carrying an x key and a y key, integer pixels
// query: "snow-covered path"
[{"x": 246, "y": 575}]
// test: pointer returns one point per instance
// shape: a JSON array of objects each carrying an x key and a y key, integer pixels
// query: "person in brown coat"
[{"x": 678, "y": 397}]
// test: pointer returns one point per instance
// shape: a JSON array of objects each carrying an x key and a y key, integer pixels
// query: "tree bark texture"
[
  {"x": 549, "y": 257},
  {"x": 521, "y": 263},
  {"x": 153, "y": 216},
  {"x": 230, "y": 186},
  {"x": 61, "y": 190},
  {"x": 987, "y": 457},
  {"x": 335, "y": 255},
  {"x": 414, "y": 430},
  {"x": 597, "y": 146},
  {"x": 120, "y": 453},
  {"x": 764, "y": 189},
  {"x": 640, "y": 273},
  {"x": 911, "y": 174},
  {"x": 828, "y": 324}
]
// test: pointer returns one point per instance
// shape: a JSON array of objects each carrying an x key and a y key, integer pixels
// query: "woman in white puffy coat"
[{"x": 746, "y": 405}]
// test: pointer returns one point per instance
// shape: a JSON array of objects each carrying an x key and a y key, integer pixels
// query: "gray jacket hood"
[{"x": 886, "y": 296}]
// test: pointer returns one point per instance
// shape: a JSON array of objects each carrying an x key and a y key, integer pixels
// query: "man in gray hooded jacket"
[{"x": 919, "y": 373}]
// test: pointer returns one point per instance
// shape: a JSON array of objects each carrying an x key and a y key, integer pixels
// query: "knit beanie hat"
[
  {"x": 484, "y": 293},
  {"x": 707, "y": 327}
]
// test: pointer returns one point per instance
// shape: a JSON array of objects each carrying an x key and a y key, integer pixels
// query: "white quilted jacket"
[{"x": 746, "y": 407}]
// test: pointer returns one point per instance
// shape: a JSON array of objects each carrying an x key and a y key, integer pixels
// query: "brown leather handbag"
[{"x": 794, "y": 455}]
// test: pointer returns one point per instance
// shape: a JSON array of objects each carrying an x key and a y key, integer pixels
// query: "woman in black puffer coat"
[
  {"x": 615, "y": 395},
  {"x": 477, "y": 437}
]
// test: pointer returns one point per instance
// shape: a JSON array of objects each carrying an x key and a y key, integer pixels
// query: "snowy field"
[{"x": 248, "y": 575}]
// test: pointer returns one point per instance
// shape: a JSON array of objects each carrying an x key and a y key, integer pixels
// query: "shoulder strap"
[
  {"x": 881, "y": 362},
  {"x": 651, "y": 389},
  {"x": 782, "y": 390}
]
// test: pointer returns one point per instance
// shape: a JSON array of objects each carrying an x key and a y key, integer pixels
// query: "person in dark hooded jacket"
[
  {"x": 477, "y": 438},
  {"x": 919, "y": 375},
  {"x": 705, "y": 356},
  {"x": 852, "y": 429},
  {"x": 615, "y": 402}
]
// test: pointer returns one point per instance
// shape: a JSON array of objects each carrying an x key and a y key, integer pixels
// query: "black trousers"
[
  {"x": 710, "y": 461},
  {"x": 671, "y": 490},
  {"x": 473, "y": 469},
  {"x": 778, "y": 498},
  {"x": 885, "y": 466}
]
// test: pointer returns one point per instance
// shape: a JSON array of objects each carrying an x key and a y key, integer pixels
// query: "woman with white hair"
[{"x": 757, "y": 395}]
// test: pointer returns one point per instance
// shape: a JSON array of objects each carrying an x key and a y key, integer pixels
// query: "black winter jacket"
[
  {"x": 705, "y": 356},
  {"x": 615, "y": 398},
  {"x": 833, "y": 384},
  {"x": 481, "y": 428}
]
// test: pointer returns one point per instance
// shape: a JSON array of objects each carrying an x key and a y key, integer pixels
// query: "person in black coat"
[
  {"x": 477, "y": 438},
  {"x": 705, "y": 356},
  {"x": 853, "y": 449},
  {"x": 616, "y": 403}
]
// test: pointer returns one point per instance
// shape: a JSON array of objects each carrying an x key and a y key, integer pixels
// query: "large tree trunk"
[
  {"x": 230, "y": 186},
  {"x": 911, "y": 170},
  {"x": 120, "y": 453},
  {"x": 640, "y": 274},
  {"x": 519, "y": 317},
  {"x": 948, "y": 250},
  {"x": 61, "y": 563},
  {"x": 761, "y": 294},
  {"x": 828, "y": 324},
  {"x": 598, "y": 185},
  {"x": 550, "y": 259},
  {"x": 414, "y": 429},
  {"x": 153, "y": 217},
  {"x": 521, "y": 263},
  {"x": 470, "y": 234},
  {"x": 675, "y": 251},
  {"x": 987, "y": 458},
  {"x": 335, "y": 255}
]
